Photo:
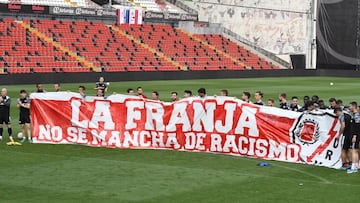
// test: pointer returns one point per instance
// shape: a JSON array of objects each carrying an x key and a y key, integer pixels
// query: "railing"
[
  {"x": 257, "y": 48},
  {"x": 183, "y": 6}
]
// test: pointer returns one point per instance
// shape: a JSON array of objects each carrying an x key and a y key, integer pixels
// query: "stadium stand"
[
  {"x": 82, "y": 46},
  {"x": 65, "y": 3},
  {"x": 96, "y": 42},
  {"x": 24, "y": 52},
  {"x": 181, "y": 47},
  {"x": 247, "y": 57}
]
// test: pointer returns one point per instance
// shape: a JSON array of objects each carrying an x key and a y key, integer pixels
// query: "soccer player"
[
  {"x": 345, "y": 130},
  {"x": 246, "y": 97},
  {"x": 270, "y": 102},
  {"x": 283, "y": 101},
  {"x": 355, "y": 137},
  {"x": 322, "y": 105},
  {"x": 315, "y": 99},
  {"x": 258, "y": 98},
  {"x": 140, "y": 93},
  {"x": 187, "y": 93},
  {"x": 101, "y": 85},
  {"x": 5, "y": 102},
  {"x": 311, "y": 106},
  {"x": 57, "y": 87},
  {"x": 130, "y": 91},
  {"x": 23, "y": 103},
  {"x": 174, "y": 96},
  {"x": 306, "y": 100},
  {"x": 155, "y": 96},
  {"x": 332, "y": 102},
  {"x": 100, "y": 93},
  {"x": 39, "y": 88},
  {"x": 294, "y": 106},
  {"x": 202, "y": 93},
  {"x": 224, "y": 93},
  {"x": 339, "y": 103},
  {"x": 82, "y": 91}
]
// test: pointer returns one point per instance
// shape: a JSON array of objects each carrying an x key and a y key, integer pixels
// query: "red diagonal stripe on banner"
[{"x": 322, "y": 147}]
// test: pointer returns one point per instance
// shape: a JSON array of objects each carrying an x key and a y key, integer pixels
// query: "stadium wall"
[
  {"x": 278, "y": 26},
  {"x": 338, "y": 35},
  {"x": 48, "y": 78}
]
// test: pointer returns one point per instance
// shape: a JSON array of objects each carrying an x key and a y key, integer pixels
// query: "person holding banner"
[
  {"x": 187, "y": 93},
  {"x": 39, "y": 88},
  {"x": 174, "y": 97},
  {"x": 140, "y": 93},
  {"x": 355, "y": 134},
  {"x": 57, "y": 87},
  {"x": 130, "y": 91},
  {"x": 224, "y": 93},
  {"x": 202, "y": 93},
  {"x": 82, "y": 92},
  {"x": 155, "y": 96},
  {"x": 258, "y": 98},
  {"x": 100, "y": 93},
  {"x": 294, "y": 106},
  {"x": 271, "y": 102},
  {"x": 246, "y": 97},
  {"x": 345, "y": 131},
  {"x": 283, "y": 101}
]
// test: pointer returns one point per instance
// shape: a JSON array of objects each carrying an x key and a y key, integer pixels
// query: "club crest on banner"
[{"x": 307, "y": 131}]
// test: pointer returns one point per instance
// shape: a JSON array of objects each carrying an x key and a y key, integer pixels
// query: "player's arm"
[
  {"x": 106, "y": 89},
  {"x": 7, "y": 102},
  {"x": 354, "y": 131},
  {"x": 18, "y": 103},
  {"x": 27, "y": 106},
  {"x": 341, "y": 131}
]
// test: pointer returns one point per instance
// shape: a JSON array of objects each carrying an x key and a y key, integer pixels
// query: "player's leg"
[
  {"x": 1, "y": 131},
  {"x": 22, "y": 124},
  {"x": 28, "y": 129},
  {"x": 345, "y": 156},
  {"x": 23, "y": 131},
  {"x": 355, "y": 156},
  {"x": 344, "y": 162},
  {"x": 354, "y": 164},
  {"x": 10, "y": 132}
]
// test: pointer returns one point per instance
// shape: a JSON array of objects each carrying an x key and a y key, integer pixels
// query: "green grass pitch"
[{"x": 68, "y": 173}]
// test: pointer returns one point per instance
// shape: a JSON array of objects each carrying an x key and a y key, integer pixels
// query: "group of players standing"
[
  {"x": 349, "y": 116},
  {"x": 350, "y": 130},
  {"x": 23, "y": 103}
]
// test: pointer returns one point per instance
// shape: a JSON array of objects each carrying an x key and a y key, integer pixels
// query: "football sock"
[
  {"x": 10, "y": 132},
  {"x": 1, "y": 132},
  {"x": 353, "y": 166}
]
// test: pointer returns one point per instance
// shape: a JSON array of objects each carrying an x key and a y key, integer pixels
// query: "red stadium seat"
[{"x": 154, "y": 48}]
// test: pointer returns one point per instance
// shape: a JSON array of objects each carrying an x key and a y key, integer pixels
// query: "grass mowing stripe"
[{"x": 250, "y": 166}]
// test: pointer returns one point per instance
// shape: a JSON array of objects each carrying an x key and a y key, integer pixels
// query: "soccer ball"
[{"x": 20, "y": 135}]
